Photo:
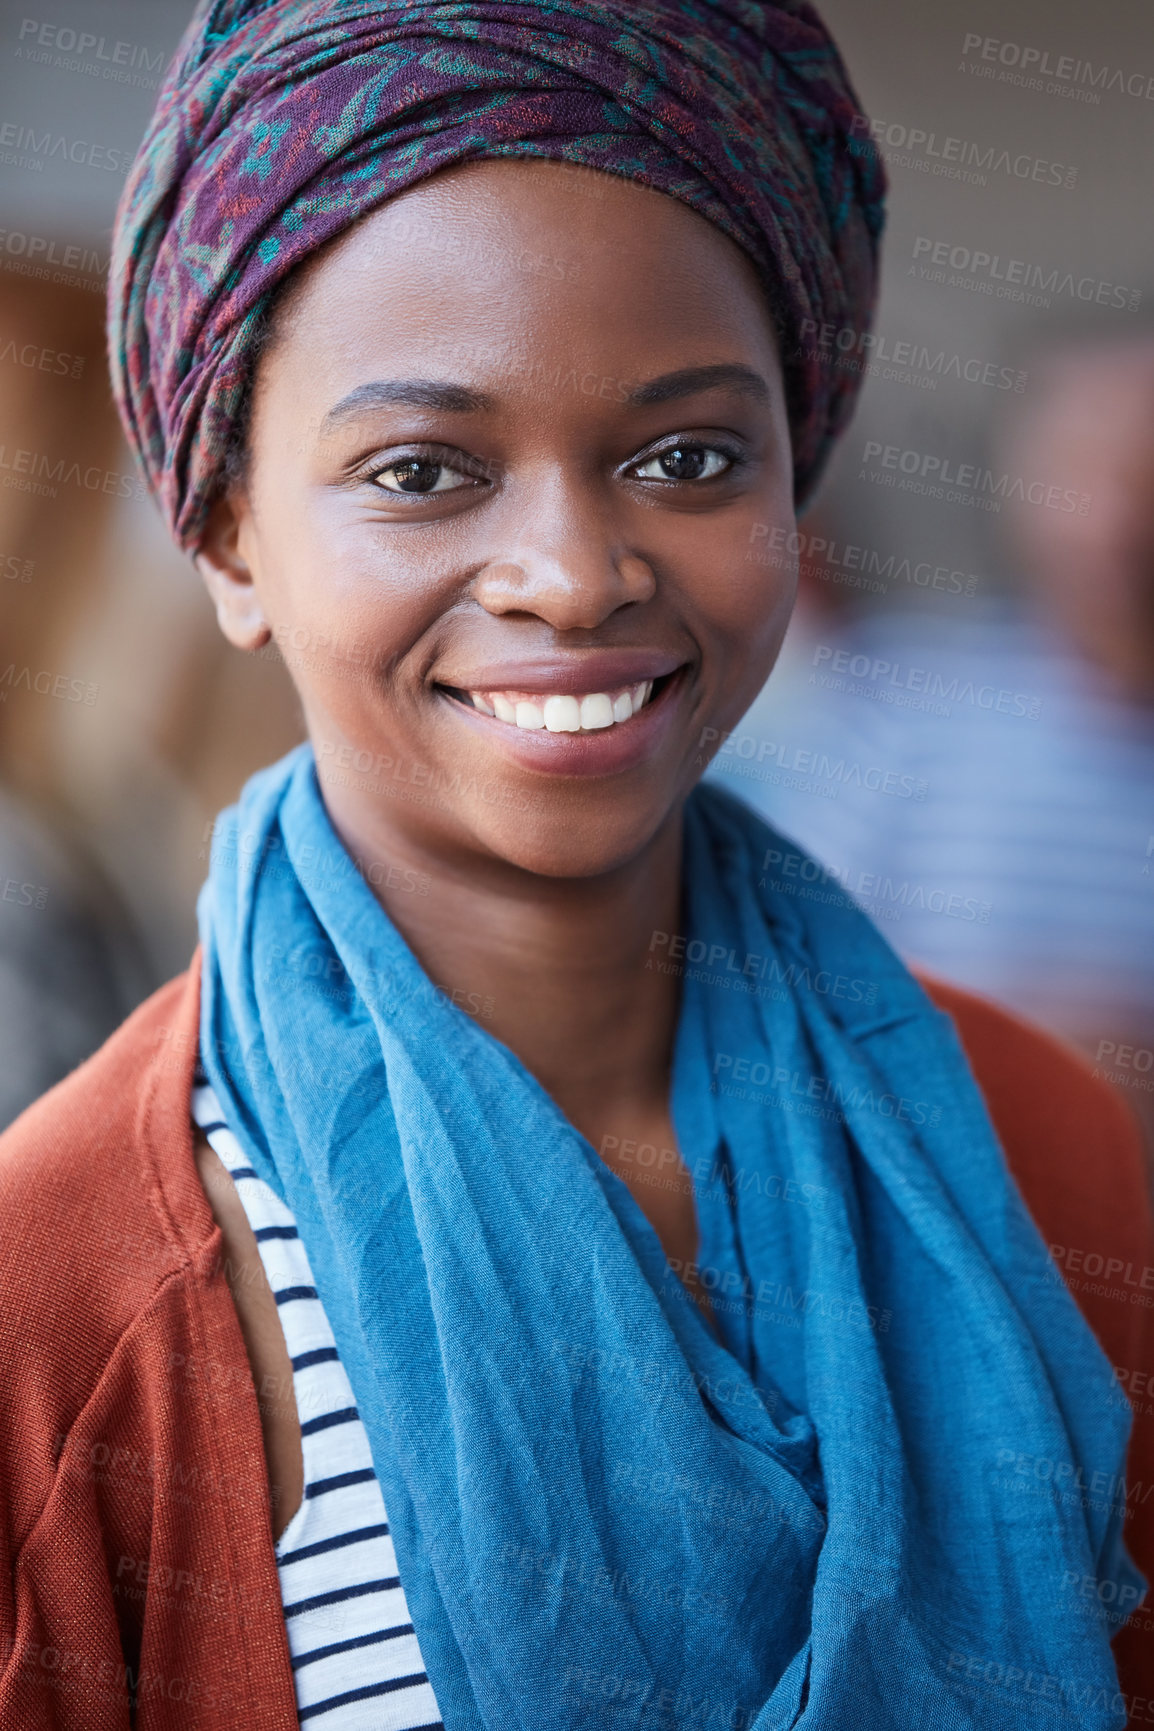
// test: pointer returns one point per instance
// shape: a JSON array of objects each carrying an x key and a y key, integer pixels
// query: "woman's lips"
[
  {"x": 576, "y": 673},
  {"x": 553, "y": 745}
]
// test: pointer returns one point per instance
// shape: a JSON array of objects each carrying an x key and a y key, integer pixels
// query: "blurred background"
[{"x": 962, "y": 724}]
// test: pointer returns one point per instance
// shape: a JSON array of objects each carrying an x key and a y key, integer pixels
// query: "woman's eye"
[
  {"x": 685, "y": 463},
  {"x": 419, "y": 475}
]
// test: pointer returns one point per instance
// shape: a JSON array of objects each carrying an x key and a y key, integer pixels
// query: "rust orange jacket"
[{"x": 138, "y": 1582}]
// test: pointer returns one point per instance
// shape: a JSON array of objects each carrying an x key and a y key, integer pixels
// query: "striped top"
[{"x": 356, "y": 1660}]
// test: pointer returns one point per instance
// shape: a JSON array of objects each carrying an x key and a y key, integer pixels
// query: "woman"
[{"x": 647, "y": 1329}]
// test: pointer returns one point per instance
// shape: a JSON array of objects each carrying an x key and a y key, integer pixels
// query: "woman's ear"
[{"x": 228, "y": 576}]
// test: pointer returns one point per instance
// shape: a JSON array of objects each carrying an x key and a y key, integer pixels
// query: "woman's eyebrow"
[
  {"x": 415, "y": 393},
  {"x": 463, "y": 400},
  {"x": 687, "y": 381}
]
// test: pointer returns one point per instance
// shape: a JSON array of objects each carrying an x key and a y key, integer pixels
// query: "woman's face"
[{"x": 516, "y": 453}]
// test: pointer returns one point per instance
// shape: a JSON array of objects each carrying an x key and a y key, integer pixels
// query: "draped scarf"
[{"x": 606, "y": 1511}]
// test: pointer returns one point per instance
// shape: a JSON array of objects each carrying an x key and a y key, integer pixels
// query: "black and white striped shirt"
[{"x": 356, "y": 1660}]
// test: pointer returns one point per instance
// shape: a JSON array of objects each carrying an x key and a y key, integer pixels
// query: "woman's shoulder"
[
  {"x": 1078, "y": 1156},
  {"x": 88, "y": 1147},
  {"x": 130, "y": 1434},
  {"x": 1075, "y": 1149},
  {"x": 100, "y": 1203},
  {"x": 1056, "y": 1118}
]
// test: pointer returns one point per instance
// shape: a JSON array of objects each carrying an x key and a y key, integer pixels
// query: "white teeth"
[
  {"x": 562, "y": 715},
  {"x": 596, "y": 711}
]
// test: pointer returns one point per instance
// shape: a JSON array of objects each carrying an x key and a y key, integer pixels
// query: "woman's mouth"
[
  {"x": 563, "y": 712},
  {"x": 601, "y": 731}
]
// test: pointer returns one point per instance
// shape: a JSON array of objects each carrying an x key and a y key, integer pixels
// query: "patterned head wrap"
[{"x": 282, "y": 121}]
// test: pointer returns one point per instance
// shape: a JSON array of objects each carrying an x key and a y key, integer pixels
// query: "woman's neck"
[{"x": 562, "y": 971}]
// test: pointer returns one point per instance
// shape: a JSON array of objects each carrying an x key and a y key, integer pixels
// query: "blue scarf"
[{"x": 605, "y": 1514}]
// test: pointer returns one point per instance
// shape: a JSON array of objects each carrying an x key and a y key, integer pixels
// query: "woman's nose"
[{"x": 566, "y": 565}]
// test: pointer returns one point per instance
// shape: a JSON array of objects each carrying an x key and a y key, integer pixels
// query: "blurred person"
[
  {"x": 1089, "y": 419},
  {"x": 629, "y": 1228},
  {"x": 1017, "y": 855},
  {"x": 71, "y": 963}
]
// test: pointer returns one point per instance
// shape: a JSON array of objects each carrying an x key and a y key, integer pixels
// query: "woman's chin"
[{"x": 565, "y": 844}]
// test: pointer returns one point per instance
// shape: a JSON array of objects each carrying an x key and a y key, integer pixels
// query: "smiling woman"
[
  {"x": 574, "y": 1274},
  {"x": 494, "y": 538}
]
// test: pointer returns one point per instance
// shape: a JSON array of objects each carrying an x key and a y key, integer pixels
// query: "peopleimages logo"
[
  {"x": 966, "y": 483},
  {"x": 957, "y": 158},
  {"x": 845, "y": 562},
  {"x": 880, "y": 356},
  {"x": 880, "y": 676},
  {"x": 42, "y": 43},
  {"x": 44, "y": 360},
  {"x": 47, "y": 684},
  {"x": 1013, "y": 279},
  {"x": 674, "y": 947},
  {"x": 34, "y": 255},
  {"x": 37, "y": 472},
  {"x": 805, "y": 769},
  {"x": 846, "y": 1097},
  {"x": 882, "y": 897},
  {"x": 23, "y": 146},
  {"x": 1033, "y": 65},
  {"x": 37, "y": 246}
]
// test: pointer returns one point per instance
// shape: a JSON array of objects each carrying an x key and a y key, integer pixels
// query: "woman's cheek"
[
  {"x": 344, "y": 609},
  {"x": 747, "y": 585}
]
